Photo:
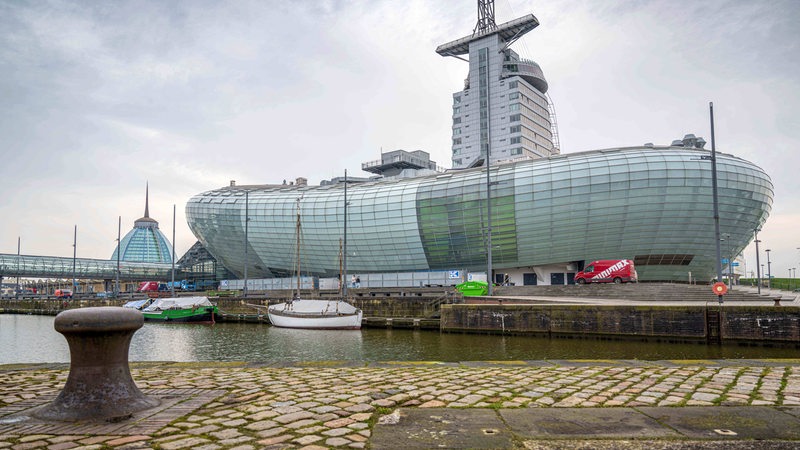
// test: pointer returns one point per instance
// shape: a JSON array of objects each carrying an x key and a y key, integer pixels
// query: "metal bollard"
[{"x": 99, "y": 385}]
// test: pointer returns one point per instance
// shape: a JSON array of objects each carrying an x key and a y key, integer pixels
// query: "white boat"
[
  {"x": 316, "y": 314},
  {"x": 320, "y": 314}
]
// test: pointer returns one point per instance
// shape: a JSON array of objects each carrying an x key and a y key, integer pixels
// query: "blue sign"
[
  {"x": 454, "y": 274},
  {"x": 735, "y": 264},
  {"x": 724, "y": 260}
]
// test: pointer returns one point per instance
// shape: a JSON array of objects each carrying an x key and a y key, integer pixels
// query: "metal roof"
[{"x": 509, "y": 31}]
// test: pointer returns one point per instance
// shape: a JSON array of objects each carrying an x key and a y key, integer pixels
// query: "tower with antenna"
[{"x": 503, "y": 110}]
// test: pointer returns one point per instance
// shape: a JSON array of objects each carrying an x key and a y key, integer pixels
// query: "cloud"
[{"x": 100, "y": 98}]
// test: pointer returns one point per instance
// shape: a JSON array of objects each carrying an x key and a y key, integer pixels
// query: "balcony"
[{"x": 528, "y": 70}]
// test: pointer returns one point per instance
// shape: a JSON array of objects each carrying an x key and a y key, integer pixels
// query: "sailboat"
[{"x": 314, "y": 313}]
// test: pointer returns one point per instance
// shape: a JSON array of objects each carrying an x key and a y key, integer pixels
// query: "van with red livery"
[
  {"x": 148, "y": 286},
  {"x": 608, "y": 271}
]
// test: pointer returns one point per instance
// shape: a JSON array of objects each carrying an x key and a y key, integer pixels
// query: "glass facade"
[
  {"x": 144, "y": 243},
  {"x": 653, "y": 205}
]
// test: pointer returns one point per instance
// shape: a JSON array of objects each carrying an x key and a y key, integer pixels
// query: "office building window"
[
  {"x": 513, "y": 118},
  {"x": 512, "y": 84},
  {"x": 456, "y": 131},
  {"x": 513, "y": 95},
  {"x": 516, "y": 140},
  {"x": 515, "y": 129},
  {"x": 516, "y": 151},
  {"x": 457, "y": 120},
  {"x": 457, "y": 141}
]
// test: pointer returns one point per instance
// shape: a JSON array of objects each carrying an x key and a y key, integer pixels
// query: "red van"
[
  {"x": 148, "y": 286},
  {"x": 608, "y": 271}
]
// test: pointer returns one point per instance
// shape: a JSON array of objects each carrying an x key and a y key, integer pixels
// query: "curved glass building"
[{"x": 549, "y": 216}]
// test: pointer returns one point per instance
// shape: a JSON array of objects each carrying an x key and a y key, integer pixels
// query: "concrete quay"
[{"x": 554, "y": 404}]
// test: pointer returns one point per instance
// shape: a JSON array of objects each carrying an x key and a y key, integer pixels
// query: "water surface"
[{"x": 32, "y": 339}]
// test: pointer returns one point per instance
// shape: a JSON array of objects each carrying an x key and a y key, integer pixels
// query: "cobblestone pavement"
[{"x": 319, "y": 405}]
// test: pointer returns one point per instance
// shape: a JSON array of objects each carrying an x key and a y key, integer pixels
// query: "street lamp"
[
  {"x": 119, "y": 250},
  {"x": 769, "y": 269},
  {"x": 16, "y": 291},
  {"x": 715, "y": 195},
  {"x": 758, "y": 278},
  {"x": 246, "y": 237},
  {"x": 727, "y": 236},
  {"x": 74, "y": 257}
]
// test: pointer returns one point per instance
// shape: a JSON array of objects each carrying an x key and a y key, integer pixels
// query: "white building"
[{"x": 503, "y": 107}]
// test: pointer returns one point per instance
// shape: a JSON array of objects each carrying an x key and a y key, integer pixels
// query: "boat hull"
[
  {"x": 204, "y": 314},
  {"x": 315, "y": 314}
]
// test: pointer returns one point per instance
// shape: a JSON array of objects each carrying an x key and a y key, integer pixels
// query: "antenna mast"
[{"x": 485, "y": 17}]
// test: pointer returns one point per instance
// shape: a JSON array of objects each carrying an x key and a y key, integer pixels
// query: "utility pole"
[
  {"x": 119, "y": 250},
  {"x": 172, "y": 288},
  {"x": 758, "y": 263},
  {"x": 74, "y": 257},
  {"x": 246, "y": 229},
  {"x": 715, "y": 198}
]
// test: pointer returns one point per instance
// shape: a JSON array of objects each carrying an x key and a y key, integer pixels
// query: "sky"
[{"x": 100, "y": 99}]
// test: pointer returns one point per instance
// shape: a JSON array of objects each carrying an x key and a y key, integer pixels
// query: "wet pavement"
[{"x": 714, "y": 404}]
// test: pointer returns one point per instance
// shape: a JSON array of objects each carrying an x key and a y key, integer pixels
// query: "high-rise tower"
[{"x": 503, "y": 109}]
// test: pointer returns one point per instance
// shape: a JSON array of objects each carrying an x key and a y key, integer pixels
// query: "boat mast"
[{"x": 344, "y": 244}]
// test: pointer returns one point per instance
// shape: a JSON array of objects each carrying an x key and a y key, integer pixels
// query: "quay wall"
[
  {"x": 384, "y": 305},
  {"x": 731, "y": 323}
]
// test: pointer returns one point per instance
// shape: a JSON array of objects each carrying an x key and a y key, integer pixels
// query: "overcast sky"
[{"x": 98, "y": 98}]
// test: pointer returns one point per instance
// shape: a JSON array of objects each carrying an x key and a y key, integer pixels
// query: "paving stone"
[
  {"x": 203, "y": 430},
  {"x": 127, "y": 440},
  {"x": 305, "y": 440},
  {"x": 293, "y": 417},
  {"x": 301, "y": 423},
  {"x": 184, "y": 443},
  {"x": 275, "y": 439},
  {"x": 337, "y": 442}
]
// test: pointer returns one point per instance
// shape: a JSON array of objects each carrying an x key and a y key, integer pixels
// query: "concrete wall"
[{"x": 684, "y": 322}]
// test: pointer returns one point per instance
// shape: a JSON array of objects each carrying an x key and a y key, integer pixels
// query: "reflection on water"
[{"x": 32, "y": 339}]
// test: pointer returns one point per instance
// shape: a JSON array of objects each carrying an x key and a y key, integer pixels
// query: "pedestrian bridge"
[{"x": 80, "y": 268}]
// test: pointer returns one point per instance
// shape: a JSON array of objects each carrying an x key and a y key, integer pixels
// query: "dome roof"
[{"x": 145, "y": 242}]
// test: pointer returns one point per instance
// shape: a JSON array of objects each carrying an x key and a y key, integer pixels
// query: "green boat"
[
  {"x": 473, "y": 288},
  {"x": 181, "y": 309}
]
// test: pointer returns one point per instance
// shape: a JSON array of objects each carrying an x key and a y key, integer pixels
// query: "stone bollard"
[{"x": 99, "y": 385}]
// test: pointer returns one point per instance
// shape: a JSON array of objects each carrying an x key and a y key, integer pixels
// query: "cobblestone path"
[{"x": 319, "y": 405}]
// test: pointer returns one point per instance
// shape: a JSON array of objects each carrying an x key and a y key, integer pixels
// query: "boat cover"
[
  {"x": 136, "y": 304},
  {"x": 178, "y": 303}
]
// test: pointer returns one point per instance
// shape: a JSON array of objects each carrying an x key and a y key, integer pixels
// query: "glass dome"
[{"x": 145, "y": 242}]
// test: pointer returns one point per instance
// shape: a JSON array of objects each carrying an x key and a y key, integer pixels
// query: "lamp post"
[
  {"x": 343, "y": 281},
  {"x": 758, "y": 263},
  {"x": 715, "y": 196},
  {"x": 16, "y": 291},
  {"x": 769, "y": 270},
  {"x": 119, "y": 250},
  {"x": 74, "y": 257},
  {"x": 246, "y": 230},
  {"x": 172, "y": 285},
  {"x": 729, "y": 257}
]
